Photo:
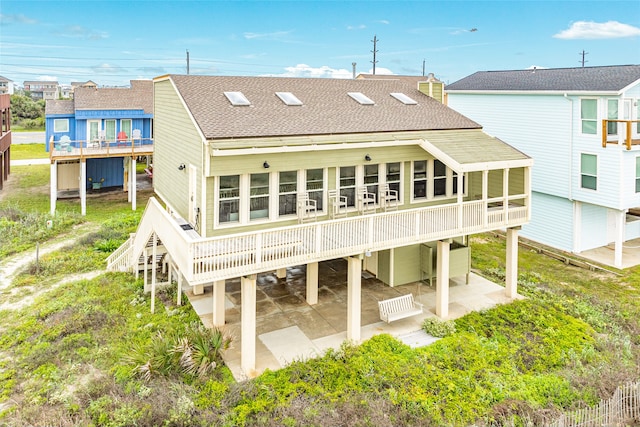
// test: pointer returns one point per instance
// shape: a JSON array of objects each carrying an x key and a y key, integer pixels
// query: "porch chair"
[
  {"x": 136, "y": 134},
  {"x": 307, "y": 208},
  {"x": 338, "y": 204},
  {"x": 388, "y": 198},
  {"x": 65, "y": 143},
  {"x": 366, "y": 201}
]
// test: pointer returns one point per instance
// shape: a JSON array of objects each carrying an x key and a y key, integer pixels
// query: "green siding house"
[{"x": 256, "y": 174}]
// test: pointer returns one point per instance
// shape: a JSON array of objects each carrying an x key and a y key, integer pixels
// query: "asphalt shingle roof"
[
  {"x": 326, "y": 109},
  {"x": 138, "y": 97},
  {"x": 587, "y": 79},
  {"x": 59, "y": 106}
]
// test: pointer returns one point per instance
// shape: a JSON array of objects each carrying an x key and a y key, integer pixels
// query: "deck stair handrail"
[
  {"x": 204, "y": 260},
  {"x": 119, "y": 260}
]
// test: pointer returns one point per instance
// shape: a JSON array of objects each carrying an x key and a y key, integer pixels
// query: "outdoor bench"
[{"x": 399, "y": 308}]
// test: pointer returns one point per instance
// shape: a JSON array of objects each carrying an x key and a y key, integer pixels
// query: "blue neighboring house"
[{"x": 95, "y": 138}]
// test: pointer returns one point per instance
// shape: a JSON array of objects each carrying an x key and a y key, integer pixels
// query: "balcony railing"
[
  {"x": 208, "y": 259},
  {"x": 100, "y": 148},
  {"x": 620, "y": 136}
]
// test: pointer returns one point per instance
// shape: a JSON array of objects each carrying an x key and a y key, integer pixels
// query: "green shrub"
[{"x": 438, "y": 328}]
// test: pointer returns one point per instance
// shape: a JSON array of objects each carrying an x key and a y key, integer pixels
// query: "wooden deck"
[{"x": 82, "y": 150}]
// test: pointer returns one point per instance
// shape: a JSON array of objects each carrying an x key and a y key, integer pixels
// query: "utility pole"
[
  {"x": 187, "y": 61},
  {"x": 353, "y": 64},
  {"x": 375, "y": 41},
  {"x": 423, "y": 62},
  {"x": 583, "y": 53}
]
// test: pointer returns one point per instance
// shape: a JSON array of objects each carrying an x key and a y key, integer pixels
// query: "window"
[
  {"x": 259, "y": 196},
  {"x": 455, "y": 182},
  {"x": 439, "y": 178},
  {"x": 589, "y": 116},
  {"x": 420, "y": 179},
  {"x": 348, "y": 184},
  {"x": 406, "y": 100},
  {"x": 612, "y": 114},
  {"x": 229, "y": 195},
  {"x": 110, "y": 129},
  {"x": 315, "y": 186},
  {"x": 288, "y": 189},
  {"x": 361, "y": 98},
  {"x": 125, "y": 126},
  {"x": 393, "y": 176},
  {"x": 589, "y": 171},
  {"x": 237, "y": 98},
  {"x": 637, "y": 174},
  {"x": 288, "y": 98},
  {"x": 371, "y": 180},
  {"x": 61, "y": 125},
  {"x": 93, "y": 130}
]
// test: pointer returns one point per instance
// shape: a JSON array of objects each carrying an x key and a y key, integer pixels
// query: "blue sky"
[{"x": 112, "y": 42}]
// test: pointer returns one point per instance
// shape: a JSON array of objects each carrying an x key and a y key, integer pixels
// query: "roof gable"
[
  {"x": 326, "y": 107},
  {"x": 582, "y": 79}
]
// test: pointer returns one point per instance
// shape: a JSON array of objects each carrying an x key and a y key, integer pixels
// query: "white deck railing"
[{"x": 208, "y": 259}]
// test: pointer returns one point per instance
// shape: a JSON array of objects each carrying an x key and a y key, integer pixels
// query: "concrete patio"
[{"x": 289, "y": 329}]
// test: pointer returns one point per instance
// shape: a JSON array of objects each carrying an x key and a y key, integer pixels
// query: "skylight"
[
  {"x": 237, "y": 98},
  {"x": 403, "y": 98},
  {"x": 289, "y": 98},
  {"x": 361, "y": 98}
]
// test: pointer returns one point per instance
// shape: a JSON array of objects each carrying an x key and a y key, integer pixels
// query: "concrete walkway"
[{"x": 289, "y": 329}]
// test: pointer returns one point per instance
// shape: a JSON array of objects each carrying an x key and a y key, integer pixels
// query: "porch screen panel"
[
  {"x": 393, "y": 176},
  {"x": 637, "y": 174},
  {"x": 371, "y": 179},
  {"x": 348, "y": 184},
  {"x": 229, "y": 196},
  {"x": 420, "y": 179},
  {"x": 288, "y": 188},
  {"x": 259, "y": 196},
  {"x": 439, "y": 178},
  {"x": 315, "y": 186}
]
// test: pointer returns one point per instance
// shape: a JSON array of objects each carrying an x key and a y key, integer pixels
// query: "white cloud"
[
  {"x": 382, "y": 71},
  {"x": 303, "y": 70},
  {"x": 276, "y": 35},
  {"x": 107, "y": 69},
  {"x": 16, "y": 19},
  {"x": 536, "y": 67},
  {"x": 47, "y": 78},
  {"x": 356, "y": 27},
  {"x": 383, "y": 21},
  {"x": 80, "y": 32},
  {"x": 597, "y": 30}
]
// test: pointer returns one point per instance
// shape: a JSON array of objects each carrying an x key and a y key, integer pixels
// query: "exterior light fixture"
[
  {"x": 181, "y": 167},
  {"x": 266, "y": 165},
  {"x": 367, "y": 157}
]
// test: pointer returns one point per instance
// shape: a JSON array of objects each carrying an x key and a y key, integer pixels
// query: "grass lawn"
[
  {"x": 28, "y": 151},
  {"x": 88, "y": 351}
]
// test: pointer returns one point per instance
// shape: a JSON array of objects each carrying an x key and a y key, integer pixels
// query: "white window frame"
[
  {"x": 582, "y": 187},
  {"x": 583, "y": 120},
  {"x": 288, "y": 193},
  {"x": 425, "y": 179},
  {"x": 122, "y": 122},
  {"x": 304, "y": 175},
  {"x": 57, "y": 125}
]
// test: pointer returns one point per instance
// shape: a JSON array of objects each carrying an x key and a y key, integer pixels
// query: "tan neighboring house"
[
  {"x": 429, "y": 85},
  {"x": 257, "y": 174}
]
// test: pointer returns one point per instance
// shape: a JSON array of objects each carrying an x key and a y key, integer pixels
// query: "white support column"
[
  {"x": 511, "y": 273},
  {"x": 619, "y": 242},
  {"x": 133, "y": 179},
  {"x": 281, "y": 273},
  {"x": 83, "y": 187},
  {"x": 218, "y": 303},
  {"x": 354, "y": 278},
  {"x": 126, "y": 185},
  {"x": 53, "y": 185},
  {"x": 442, "y": 279},
  {"x": 248, "y": 325},
  {"x": 312, "y": 283},
  {"x": 179, "y": 302},
  {"x": 154, "y": 253}
]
